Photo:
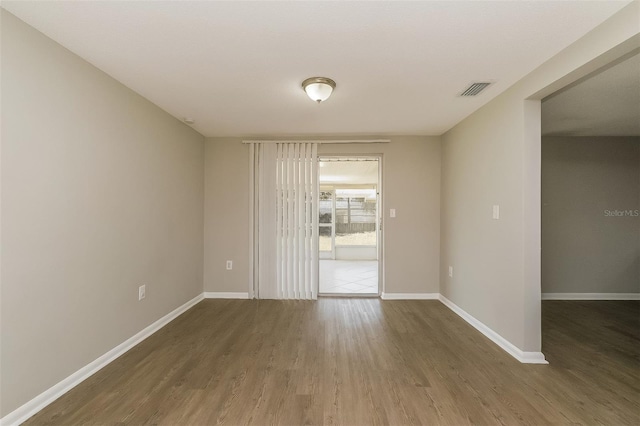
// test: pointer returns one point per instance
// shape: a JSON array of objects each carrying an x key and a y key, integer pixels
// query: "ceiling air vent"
[{"x": 475, "y": 88}]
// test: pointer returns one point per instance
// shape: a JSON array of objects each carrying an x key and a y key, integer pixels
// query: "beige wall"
[
  {"x": 493, "y": 157},
  {"x": 584, "y": 250},
  {"x": 411, "y": 185},
  {"x": 226, "y": 212},
  {"x": 101, "y": 192},
  {"x": 482, "y": 167}
]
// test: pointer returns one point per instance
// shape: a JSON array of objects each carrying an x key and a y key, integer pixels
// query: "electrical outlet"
[
  {"x": 450, "y": 271},
  {"x": 229, "y": 265},
  {"x": 142, "y": 291}
]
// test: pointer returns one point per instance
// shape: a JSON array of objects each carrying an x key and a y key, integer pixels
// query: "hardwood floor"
[{"x": 364, "y": 362}]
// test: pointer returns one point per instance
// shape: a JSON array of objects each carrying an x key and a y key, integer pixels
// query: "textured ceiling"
[
  {"x": 605, "y": 104},
  {"x": 236, "y": 67}
]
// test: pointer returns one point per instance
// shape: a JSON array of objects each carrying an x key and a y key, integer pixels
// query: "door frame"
[{"x": 380, "y": 221}]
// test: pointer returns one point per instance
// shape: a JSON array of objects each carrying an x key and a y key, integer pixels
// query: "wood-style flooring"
[{"x": 364, "y": 362}]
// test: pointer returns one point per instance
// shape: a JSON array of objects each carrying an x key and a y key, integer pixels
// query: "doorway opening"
[
  {"x": 590, "y": 216},
  {"x": 349, "y": 219}
]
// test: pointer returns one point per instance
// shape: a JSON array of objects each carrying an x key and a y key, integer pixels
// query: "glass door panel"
[
  {"x": 326, "y": 211},
  {"x": 356, "y": 217}
]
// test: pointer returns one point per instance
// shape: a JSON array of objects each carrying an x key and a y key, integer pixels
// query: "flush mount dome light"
[{"x": 318, "y": 88}]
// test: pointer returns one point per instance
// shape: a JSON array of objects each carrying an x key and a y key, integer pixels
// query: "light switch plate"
[
  {"x": 496, "y": 212},
  {"x": 392, "y": 213}
]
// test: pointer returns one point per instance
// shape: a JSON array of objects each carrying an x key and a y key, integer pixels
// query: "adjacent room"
[
  {"x": 591, "y": 219},
  {"x": 319, "y": 212}
]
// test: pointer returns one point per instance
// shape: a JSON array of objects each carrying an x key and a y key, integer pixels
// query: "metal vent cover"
[{"x": 474, "y": 89}]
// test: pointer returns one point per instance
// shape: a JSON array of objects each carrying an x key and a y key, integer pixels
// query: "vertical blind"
[{"x": 285, "y": 220}]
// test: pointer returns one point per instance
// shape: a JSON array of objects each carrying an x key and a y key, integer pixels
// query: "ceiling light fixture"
[{"x": 318, "y": 88}]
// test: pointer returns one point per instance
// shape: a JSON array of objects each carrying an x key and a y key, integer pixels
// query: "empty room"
[{"x": 319, "y": 212}]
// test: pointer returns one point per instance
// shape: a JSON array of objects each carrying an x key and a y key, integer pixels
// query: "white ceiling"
[
  {"x": 605, "y": 104},
  {"x": 236, "y": 67}
]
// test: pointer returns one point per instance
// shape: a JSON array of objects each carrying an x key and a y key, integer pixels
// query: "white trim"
[
  {"x": 321, "y": 141},
  {"x": 590, "y": 296},
  {"x": 32, "y": 407},
  {"x": 409, "y": 296},
  {"x": 252, "y": 188},
  {"x": 351, "y": 295},
  {"x": 225, "y": 295},
  {"x": 510, "y": 348}
]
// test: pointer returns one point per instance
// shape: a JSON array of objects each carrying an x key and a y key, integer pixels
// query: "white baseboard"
[
  {"x": 590, "y": 296},
  {"x": 510, "y": 348},
  {"x": 47, "y": 397},
  {"x": 225, "y": 295},
  {"x": 30, "y": 408},
  {"x": 409, "y": 296}
]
